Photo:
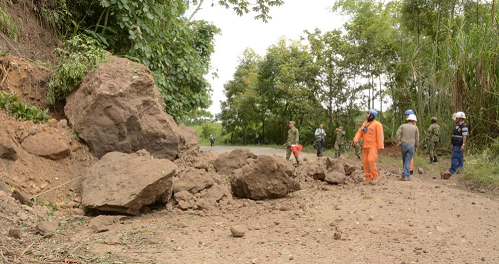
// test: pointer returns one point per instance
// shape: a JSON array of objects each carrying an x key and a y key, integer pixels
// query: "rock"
[
  {"x": 202, "y": 204},
  {"x": 238, "y": 230},
  {"x": 117, "y": 108},
  {"x": 22, "y": 197},
  {"x": 75, "y": 146},
  {"x": 124, "y": 183},
  {"x": 216, "y": 193},
  {"x": 188, "y": 144},
  {"x": 335, "y": 177},
  {"x": 22, "y": 216},
  {"x": 263, "y": 178},
  {"x": 183, "y": 196},
  {"x": 206, "y": 159},
  {"x": 227, "y": 163},
  {"x": 420, "y": 171},
  {"x": 183, "y": 205},
  {"x": 15, "y": 233},
  {"x": 103, "y": 223},
  {"x": 8, "y": 149},
  {"x": 4, "y": 187},
  {"x": 193, "y": 181},
  {"x": 62, "y": 124},
  {"x": 77, "y": 211},
  {"x": 45, "y": 228},
  {"x": 445, "y": 175},
  {"x": 46, "y": 144},
  {"x": 349, "y": 169},
  {"x": 33, "y": 130},
  {"x": 337, "y": 235}
]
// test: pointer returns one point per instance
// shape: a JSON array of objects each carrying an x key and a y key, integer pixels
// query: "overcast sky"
[{"x": 239, "y": 33}]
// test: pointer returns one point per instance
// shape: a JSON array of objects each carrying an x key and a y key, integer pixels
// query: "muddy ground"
[{"x": 426, "y": 220}]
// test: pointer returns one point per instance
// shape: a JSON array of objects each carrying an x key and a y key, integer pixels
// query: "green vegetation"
[
  {"x": 156, "y": 33},
  {"x": 80, "y": 55},
  {"x": 7, "y": 24},
  {"x": 14, "y": 106},
  {"x": 483, "y": 169},
  {"x": 209, "y": 128},
  {"x": 436, "y": 57}
]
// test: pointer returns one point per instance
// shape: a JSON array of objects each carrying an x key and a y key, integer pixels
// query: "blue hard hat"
[
  {"x": 409, "y": 112},
  {"x": 373, "y": 112}
]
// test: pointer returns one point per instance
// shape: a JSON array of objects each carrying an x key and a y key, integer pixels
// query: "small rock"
[
  {"x": 22, "y": 197},
  {"x": 238, "y": 230},
  {"x": 15, "y": 233},
  {"x": 58, "y": 214},
  {"x": 337, "y": 235},
  {"x": 183, "y": 205},
  {"x": 77, "y": 211},
  {"x": 291, "y": 257},
  {"x": 22, "y": 216},
  {"x": 371, "y": 218},
  {"x": 103, "y": 223},
  {"x": 46, "y": 228},
  {"x": 33, "y": 130},
  {"x": 420, "y": 170}
]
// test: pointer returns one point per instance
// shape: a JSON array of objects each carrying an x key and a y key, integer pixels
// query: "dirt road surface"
[{"x": 426, "y": 220}]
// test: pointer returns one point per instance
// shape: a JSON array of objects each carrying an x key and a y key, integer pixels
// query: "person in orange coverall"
[
  {"x": 372, "y": 133},
  {"x": 407, "y": 113}
]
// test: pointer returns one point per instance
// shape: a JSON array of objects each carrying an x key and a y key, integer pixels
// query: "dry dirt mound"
[
  {"x": 118, "y": 108},
  {"x": 124, "y": 183},
  {"x": 330, "y": 170}
]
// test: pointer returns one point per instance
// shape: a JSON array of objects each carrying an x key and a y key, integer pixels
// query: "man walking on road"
[
  {"x": 340, "y": 140},
  {"x": 293, "y": 139},
  {"x": 358, "y": 147},
  {"x": 319, "y": 138},
  {"x": 459, "y": 139},
  {"x": 433, "y": 139},
  {"x": 408, "y": 136},
  {"x": 407, "y": 113},
  {"x": 212, "y": 141},
  {"x": 374, "y": 139}
]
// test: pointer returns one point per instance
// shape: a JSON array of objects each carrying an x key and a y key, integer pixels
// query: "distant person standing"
[
  {"x": 407, "y": 113},
  {"x": 433, "y": 139},
  {"x": 459, "y": 140},
  {"x": 212, "y": 141},
  {"x": 374, "y": 139},
  {"x": 292, "y": 140},
  {"x": 320, "y": 133},
  {"x": 408, "y": 136},
  {"x": 340, "y": 141},
  {"x": 358, "y": 147}
]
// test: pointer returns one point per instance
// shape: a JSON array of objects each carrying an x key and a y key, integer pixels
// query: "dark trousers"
[
  {"x": 319, "y": 147},
  {"x": 456, "y": 160}
]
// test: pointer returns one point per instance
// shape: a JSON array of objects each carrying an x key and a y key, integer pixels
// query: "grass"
[{"x": 481, "y": 173}]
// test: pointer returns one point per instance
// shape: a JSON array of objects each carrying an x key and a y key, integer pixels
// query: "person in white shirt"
[{"x": 320, "y": 133}]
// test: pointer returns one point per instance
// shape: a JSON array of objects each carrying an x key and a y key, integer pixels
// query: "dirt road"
[{"x": 426, "y": 220}]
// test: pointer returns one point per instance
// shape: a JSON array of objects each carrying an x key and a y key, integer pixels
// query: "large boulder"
[
  {"x": 236, "y": 159},
  {"x": 118, "y": 108},
  {"x": 46, "y": 144},
  {"x": 263, "y": 178},
  {"x": 188, "y": 143},
  {"x": 332, "y": 171},
  {"x": 124, "y": 183}
]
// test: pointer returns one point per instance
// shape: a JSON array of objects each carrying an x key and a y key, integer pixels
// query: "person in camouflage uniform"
[
  {"x": 358, "y": 148},
  {"x": 432, "y": 139},
  {"x": 340, "y": 140},
  {"x": 293, "y": 139}
]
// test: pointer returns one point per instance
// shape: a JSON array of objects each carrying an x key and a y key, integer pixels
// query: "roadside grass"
[{"x": 480, "y": 173}]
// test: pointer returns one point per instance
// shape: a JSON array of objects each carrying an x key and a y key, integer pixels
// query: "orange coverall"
[{"x": 374, "y": 139}]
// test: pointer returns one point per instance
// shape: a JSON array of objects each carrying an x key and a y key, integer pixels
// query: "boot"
[
  {"x": 435, "y": 159},
  {"x": 431, "y": 160}
]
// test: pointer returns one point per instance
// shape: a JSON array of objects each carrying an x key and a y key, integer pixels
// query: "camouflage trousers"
[
  {"x": 358, "y": 150},
  {"x": 338, "y": 149},
  {"x": 432, "y": 148},
  {"x": 288, "y": 154}
]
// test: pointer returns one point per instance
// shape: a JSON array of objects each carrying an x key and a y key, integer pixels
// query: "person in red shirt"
[{"x": 372, "y": 134}]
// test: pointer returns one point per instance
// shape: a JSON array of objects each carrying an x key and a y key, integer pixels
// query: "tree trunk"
[{"x": 245, "y": 131}]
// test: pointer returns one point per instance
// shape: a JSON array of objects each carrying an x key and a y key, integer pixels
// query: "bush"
[
  {"x": 16, "y": 107},
  {"x": 80, "y": 55}
]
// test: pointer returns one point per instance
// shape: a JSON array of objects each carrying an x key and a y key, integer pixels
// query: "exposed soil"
[
  {"x": 426, "y": 220},
  {"x": 35, "y": 41}
]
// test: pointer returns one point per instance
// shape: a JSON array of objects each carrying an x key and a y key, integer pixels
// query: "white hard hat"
[
  {"x": 460, "y": 115},
  {"x": 454, "y": 116},
  {"x": 412, "y": 117}
]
